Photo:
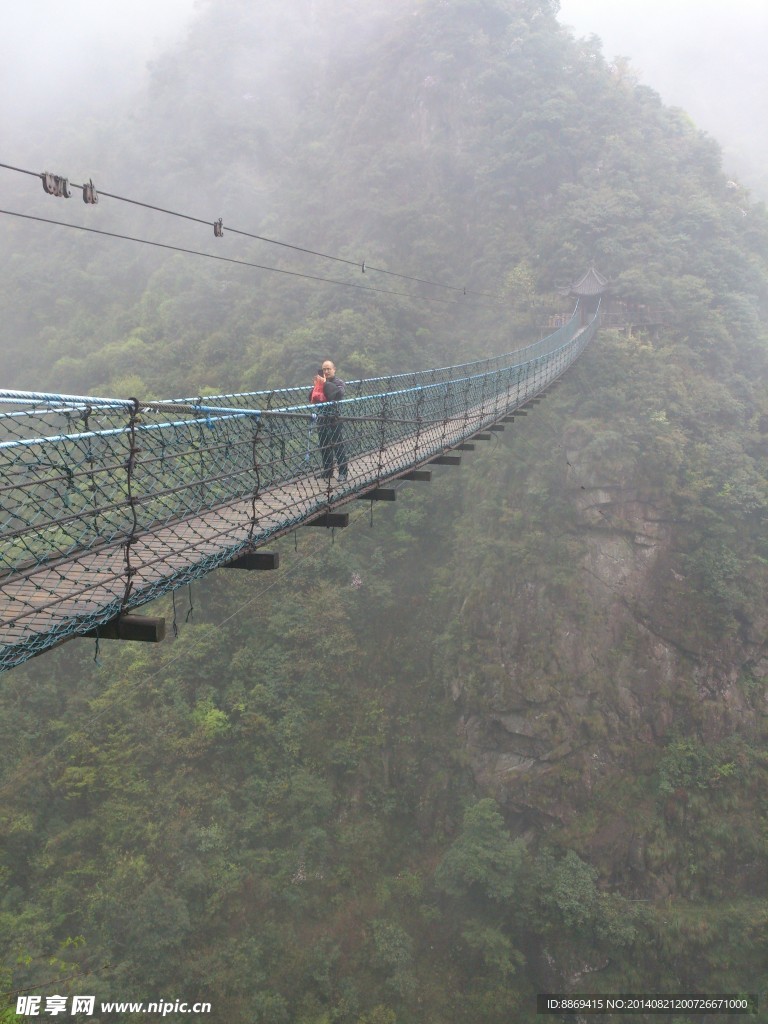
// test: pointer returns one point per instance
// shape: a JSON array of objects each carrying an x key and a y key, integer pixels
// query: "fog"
[
  {"x": 58, "y": 63},
  {"x": 706, "y": 56},
  {"x": 60, "y": 60}
]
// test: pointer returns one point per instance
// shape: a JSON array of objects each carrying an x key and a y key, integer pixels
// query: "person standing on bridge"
[{"x": 329, "y": 427}]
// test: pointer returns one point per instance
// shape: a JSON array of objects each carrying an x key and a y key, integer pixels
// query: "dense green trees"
[{"x": 511, "y": 738}]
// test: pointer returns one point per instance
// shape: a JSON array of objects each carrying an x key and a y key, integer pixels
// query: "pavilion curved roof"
[{"x": 592, "y": 283}]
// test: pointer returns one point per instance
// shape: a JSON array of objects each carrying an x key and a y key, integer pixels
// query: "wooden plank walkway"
[
  {"x": 44, "y": 605},
  {"x": 49, "y": 603}
]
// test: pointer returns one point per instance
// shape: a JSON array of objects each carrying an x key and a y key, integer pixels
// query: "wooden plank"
[
  {"x": 421, "y": 475},
  {"x": 446, "y": 460}
]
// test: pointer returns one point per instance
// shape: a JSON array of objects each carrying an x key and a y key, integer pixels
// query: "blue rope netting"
[{"x": 106, "y": 504}]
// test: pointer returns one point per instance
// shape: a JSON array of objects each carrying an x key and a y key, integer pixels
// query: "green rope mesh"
[{"x": 107, "y": 504}]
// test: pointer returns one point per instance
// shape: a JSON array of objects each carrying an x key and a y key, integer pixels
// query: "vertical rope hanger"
[{"x": 130, "y": 466}]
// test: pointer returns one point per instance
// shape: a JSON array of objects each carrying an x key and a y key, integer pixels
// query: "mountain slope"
[{"x": 512, "y": 739}]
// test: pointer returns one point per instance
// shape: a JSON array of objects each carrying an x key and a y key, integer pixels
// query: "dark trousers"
[{"x": 332, "y": 446}]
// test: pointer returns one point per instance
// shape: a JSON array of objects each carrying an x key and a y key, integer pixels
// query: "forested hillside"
[{"x": 505, "y": 738}]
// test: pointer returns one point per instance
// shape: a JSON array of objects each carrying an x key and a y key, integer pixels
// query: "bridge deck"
[
  {"x": 111, "y": 567},
  {"x": 38, "y": 607}
]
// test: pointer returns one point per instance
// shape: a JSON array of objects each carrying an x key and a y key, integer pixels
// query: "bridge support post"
[
  {"x": 422, "y": 475},
  {"x": 482, "y": 436},
  {"x": 144, "y": 628},
  {"x": 255, "y": 560},
  {"x": 331, "y": 519},
  {"x": 378, "y": 494},
  {"x": 446, "y": 460}
]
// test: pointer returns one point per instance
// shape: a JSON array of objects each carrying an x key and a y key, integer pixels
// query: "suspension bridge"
[{"x": 107, "y": 504}]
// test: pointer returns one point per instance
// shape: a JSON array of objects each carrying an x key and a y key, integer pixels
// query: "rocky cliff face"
[{"x": 585, "y": 662}]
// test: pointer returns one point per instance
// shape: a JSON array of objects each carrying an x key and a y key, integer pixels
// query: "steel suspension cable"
[{"x": 359, "y": 265}]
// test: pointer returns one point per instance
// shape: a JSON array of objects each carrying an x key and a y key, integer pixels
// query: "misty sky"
[
  {"x": 56, "y": 56},
  {"x": 707, "y": 56},
  {"x": 703, "y": 55}
]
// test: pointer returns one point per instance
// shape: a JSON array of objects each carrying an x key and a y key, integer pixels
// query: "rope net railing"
[
  {"x": 107, "y": 504},
  {"x": 296, "y": 395}
]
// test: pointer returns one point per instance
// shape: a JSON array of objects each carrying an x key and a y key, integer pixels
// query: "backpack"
[{"x": 318, "y": 393}]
